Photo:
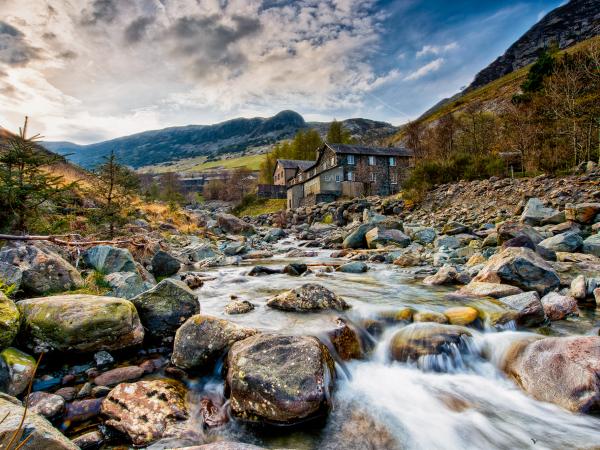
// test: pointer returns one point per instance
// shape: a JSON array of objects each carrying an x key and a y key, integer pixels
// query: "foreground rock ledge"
[
  {"x": 280, "y": 379},
  {"x": 81, "y": 323}
]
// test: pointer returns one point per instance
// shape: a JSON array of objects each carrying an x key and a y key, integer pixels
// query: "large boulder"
[
  {"x": 591, "y": 245},
  {"x": 164, "y": 265},
  {"x": 126, "y": 284},
  {"x": 165, "y": 307},
  {"x": 357, "y": 239},
  {"x": 528, "y": 308},
  {"x": 10, "y": 275},
  {"x": 563, "y": 370},
  {"x": 308, "y": 297},
  {"x": 510, "y": 230},
  {"x": 79, "y": 323},
  {"x": 202, "y": 340},
  {"x": 40, "y": 433},
  {"x": 582, "y": 212},
  {"x": 231, "y": 224},
  {"x": 521, "y": 267},
  {"x": 423, "y": 342},
  {"x": 9, "y": 321},
  {"x": 147, "y": 410},
  {"x": 536, "y": 213},
  {"x": 381, "y": 237},
  {"x": 107, "y": 259},
  {"x": 564, "y": 242},
  {"x": 557, "y": 306},
  {"x": 279, "y": 379},
  {"x": 42, "y": 270}
]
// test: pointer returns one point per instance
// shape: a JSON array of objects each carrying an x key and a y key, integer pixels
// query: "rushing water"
[{"x": 470, "y": 405}]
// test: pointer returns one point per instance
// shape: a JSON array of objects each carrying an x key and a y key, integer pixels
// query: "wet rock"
[
  {"x": 591, "y": 245},
  {"x": 10, "y": 275},
  {"x": 164, "y": 264},
  {"x": 192, "y": 280},
  {"x": 9, "y": 321},
  {"x": 308, "y": 297},
  {"x": 535, "y": 213},
  {"x": 85, "y": 391},
  {"x": 380, "y": 237},
  {"x": 564, "y": 371},
  {"x": 461, "y": 315},
  {"x": 119, "y": 375},
  {"x": 152, "y": 365},
  {"x": 107, "y": 259},
  {"x": 493, "y": 312},
  {"x": 483, "y": 289},
  {"x": 212, "y": 415},
  {"x": 223, "y": 445},
  {"x": 103, "y": 359},
  {"x": 231, "y": 224},
  {"x": 557, "y": 306},
  {"x": 45, "y": 404},
  {"x": 582, "y": 212},
  {"x": 42, "y": 270},
  {"x": 520, "y": 267},
  {"x": 197, "y": 252},
  {"x": 165, "y": 307},
  {"x": 126, "y": 284},
  {"x": 21, "y": 369},
  {"x": 80, "y": 323},
  {"x": 68, "y": 393},
  {"x": 357, "y": 239},
  {"x": 429, "y": 316},
  {"x": 145, "y": 411},
  {"x": 279, "y": 379},
  {"x": 202, "y": 340},
  {"x": 239, "y": 307},
  {"x": 83, "y": 410},
  {"x": 43, "y": 434},
  {"x": 528, "y": 308},
  {"x": 99, "y": 391},
  {"x": 258, "y": 271},
  {"x": 295, "y": 269},
  {"x": 418, "y": 341},
  {"x": 447, "y": 275},
  {"x": 353, "y": 267},
  {"x": 345, "y": 340},
  {"x": 91, "y": 439},
  {"x": 564, "y": 242},
  {"x": 578, "y": 288}
]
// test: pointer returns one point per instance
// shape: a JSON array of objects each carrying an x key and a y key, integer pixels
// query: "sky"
[{"x": 90, "y": 70}]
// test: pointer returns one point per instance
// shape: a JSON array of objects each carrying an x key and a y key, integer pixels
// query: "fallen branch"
[{"x": 59, "y": 239}]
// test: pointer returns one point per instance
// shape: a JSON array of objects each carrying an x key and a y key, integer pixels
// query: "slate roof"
[
  {"x": 295, "y": 164},
  {"x": 375, "y": 151}
]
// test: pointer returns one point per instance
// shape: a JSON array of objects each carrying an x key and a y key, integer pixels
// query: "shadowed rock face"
[
  {"x": 280, "y": 379},
  {"x": 574, "y": 22}
]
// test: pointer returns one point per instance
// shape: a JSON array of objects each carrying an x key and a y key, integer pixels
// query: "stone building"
[
  {"x": 349, "y": 171},
  {"x": 286, "y": 169}
]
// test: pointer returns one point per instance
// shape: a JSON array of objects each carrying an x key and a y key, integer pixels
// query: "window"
[
  {"x": 372, "y": 178},
  {"x": 371, "y": 160},
  {"x": 350, "y": 176},
  {"x": 337, "y": 178},
  {"x": 351, "y": 159},
  {"x": 394, "y": 178},
  {"x": 392, "y": 161}
]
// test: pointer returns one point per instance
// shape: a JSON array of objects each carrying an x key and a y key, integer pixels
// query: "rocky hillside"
[
  {"x": 574, "y": 22},
  {"x": 365, "y": 131}
]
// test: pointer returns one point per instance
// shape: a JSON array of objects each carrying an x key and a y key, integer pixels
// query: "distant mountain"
[
  {"x": 237, "y": 135},
  {"x": 566, "y": 25}
]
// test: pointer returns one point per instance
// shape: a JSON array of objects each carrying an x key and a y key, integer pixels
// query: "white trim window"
[
  {"x": 350, "y": 176},
  {"x": 372, "y": 177},
  {"x": 393, "y": 178},
  {"x": 371, "y": 160},
  {"x": 337, "y": 178},
  {"x": 392, "y": 161},
  {"x": 351, "y": 160}
]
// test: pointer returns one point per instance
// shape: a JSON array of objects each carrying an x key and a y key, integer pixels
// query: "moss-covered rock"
[
  {"x": 80, "y": 323},
  {"x": 279, "y": 379},
  {"x": 308, "y": 297},
  {"x": 165, "y": 307},
  {"x": 21, "y": 368},
  {"x": 202, "y": 340},
  {"x": 9, "y": 321}
]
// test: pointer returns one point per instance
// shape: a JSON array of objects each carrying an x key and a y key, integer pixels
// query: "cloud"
[
  {"x": 101, "y": 11},
  {"x": 135, "y": 30},
  {"x": 428, "y": 68},
  {"x": 14, "y": 48},
  {"x": 436, "y": 49}
]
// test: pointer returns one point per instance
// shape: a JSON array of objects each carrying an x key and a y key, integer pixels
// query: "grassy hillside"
[{"x": 251, "y": 162}]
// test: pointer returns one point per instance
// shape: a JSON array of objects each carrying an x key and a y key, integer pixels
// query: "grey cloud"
[
  {"x": 135, "y": 30},
  {"x": 14, "y": 49},
  {"x": 208, "y": 42},
  {"x": 68, "y": 54},
  {"x": 102, "y": 11}
]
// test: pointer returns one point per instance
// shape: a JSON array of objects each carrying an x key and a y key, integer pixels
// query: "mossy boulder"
[
  {"x": 202, "y": 340},
  {"x": 279, "y": 379},
  {"x": 21, "y": 369},
  {"x": 165, "y": 307},
  {"x": 42, "y": 270},
  {"x": 78, "y": 323},
  {"x": 9, "y": 321}
]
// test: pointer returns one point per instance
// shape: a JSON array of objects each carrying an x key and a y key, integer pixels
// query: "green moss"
[
  {"x": 328, "y": 219},
  {"x": 9, "y": 321},
  {"x": 13, "y": 357}
]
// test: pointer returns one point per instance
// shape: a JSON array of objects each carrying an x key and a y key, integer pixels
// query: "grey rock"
[
  {"x": 535, "y": 212},
  {"x": 591, "y": 245},
  {"x": 528, "y": 307},
  {"x": 353, "y": 267},
  {"x": 107, "y": 259},
  {"x": 308, "y": 297},
  {"x": 126, "y": 284},
  {"x": 564, "y": 242},
  {"x": 164, "y": 265}
]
